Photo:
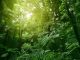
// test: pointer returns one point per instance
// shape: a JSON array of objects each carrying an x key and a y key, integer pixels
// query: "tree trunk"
[{"x": 74, "y": 22}]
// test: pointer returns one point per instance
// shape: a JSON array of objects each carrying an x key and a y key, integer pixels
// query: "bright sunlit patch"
[
  {"x": 28, "y": 15},
  {"x": 13, "y": 21}
]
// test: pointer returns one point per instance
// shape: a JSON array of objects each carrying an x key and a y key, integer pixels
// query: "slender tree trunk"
[
  {"x": 1, "y": 13},
  {"x": 74, "y": 22}
]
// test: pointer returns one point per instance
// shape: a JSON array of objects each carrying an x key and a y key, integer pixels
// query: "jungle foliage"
[{"x": 39, "y": 29}]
